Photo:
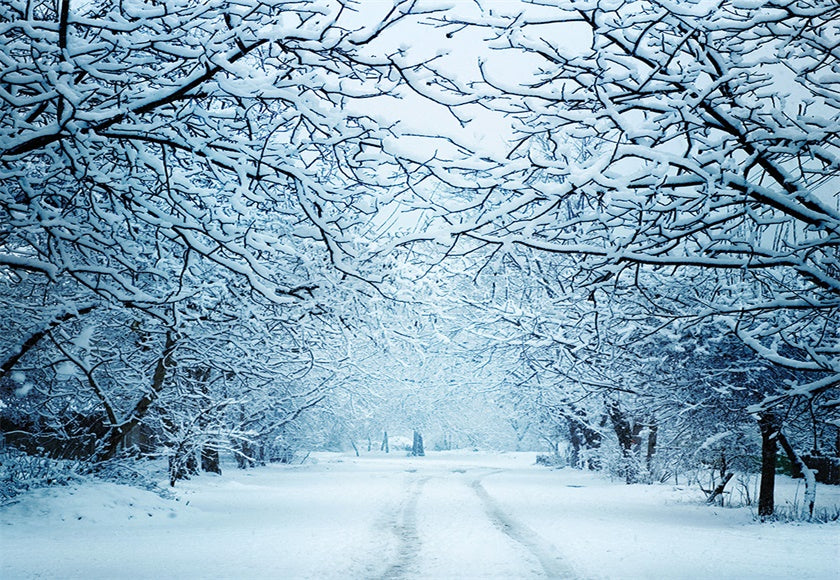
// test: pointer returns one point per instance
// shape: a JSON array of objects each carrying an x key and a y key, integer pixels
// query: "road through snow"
[
  {"x": 404, "y": 527},
  {"x": 552, "y": 563},
  {"x": 461, "y": 533},
  {"x": 447, "y": 515}
]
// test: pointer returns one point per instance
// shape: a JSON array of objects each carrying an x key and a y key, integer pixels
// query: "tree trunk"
[
  {"x": 114, "y": 437},
  {"x": 34, "y": 338},
  {"x": 182, "y": 464},
  {"x": 243, "y": 459},
  {"x": 384, "y": 446},
  {"x": 627, "y": 438},
  {"x": 837, "y": 443},
  {"x": 593, "y": 438},
  {"x": 209, "y": 453},
  {"x": 805, "y": 471},
  {"x": 651, "y": 447},
  {"x": 575, "y": 441},
  {"x": 768, "y": 425},
  {"x": 584, "y": 440},
  {"x": 417, "y": 447},
  {"x": 210, "y": 460},
  {"x": 718, "y": 491},
  {"x": 250, "y": 454}
]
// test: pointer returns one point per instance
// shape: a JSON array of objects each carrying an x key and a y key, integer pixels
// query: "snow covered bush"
[{"x": 20, "y": 472}]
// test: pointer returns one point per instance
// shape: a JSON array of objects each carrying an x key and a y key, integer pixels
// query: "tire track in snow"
[
  {"x": 405, "y": 528},
  {"x": 553, "y": 565}
]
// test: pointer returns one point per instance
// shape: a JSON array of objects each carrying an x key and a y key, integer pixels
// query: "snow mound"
[{"x": 88, "y": 503}]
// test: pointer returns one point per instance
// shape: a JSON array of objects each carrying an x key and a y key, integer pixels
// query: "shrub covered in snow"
[{"x": 20, "y": 472}]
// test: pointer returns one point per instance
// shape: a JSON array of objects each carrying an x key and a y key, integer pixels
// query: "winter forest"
[{"x": 525, "y": 282}]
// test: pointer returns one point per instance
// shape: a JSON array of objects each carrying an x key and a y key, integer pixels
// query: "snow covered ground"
[{"x": 447, "y": 515}]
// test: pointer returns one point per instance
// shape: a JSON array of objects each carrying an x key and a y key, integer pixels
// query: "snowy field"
[{"x": 447, "y": 515}]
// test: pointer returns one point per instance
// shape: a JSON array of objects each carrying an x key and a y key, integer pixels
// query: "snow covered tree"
[
  {"x": 164, "y": 157},
  {"x": 141, "y": 138},
  {"x": 697, "y": 136},
  {"x": 659, "y": 137}
]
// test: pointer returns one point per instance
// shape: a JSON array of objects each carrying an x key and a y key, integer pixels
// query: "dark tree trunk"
[
  {"x": 243, "y": 460},
  {"x": 113, "y": 439},
  {"x": 7, "y": 365},
  {"x": 209, "y": 453},
  {"x": 803, "y": 471},
  {"x": 651, "y": 446},
  {"x": 417, "y": 447},
  {"x": 210, "y": 460},
  {"x": 384, "y": 446},
  {"x": 837, "y": 443},
  {"x": 575, "y": 440},
  {"x": 182, "y": 465},
  {"x": 593, "y": 438},
  {"x": 248, "y": 455},
  {"x": 628, "y": 439},
  {"x": 718, "y": 491},
  {"x": 769, "y": 427},
  {"x": 583, "y": 438}
]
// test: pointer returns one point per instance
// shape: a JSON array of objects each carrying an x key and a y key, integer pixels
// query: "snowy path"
[
  {"x": 459, "y": 532},
  {"x": 552, "y": 564},
  {"x": 404, "y": 527},
  {"x": 443, "y": 516}
]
